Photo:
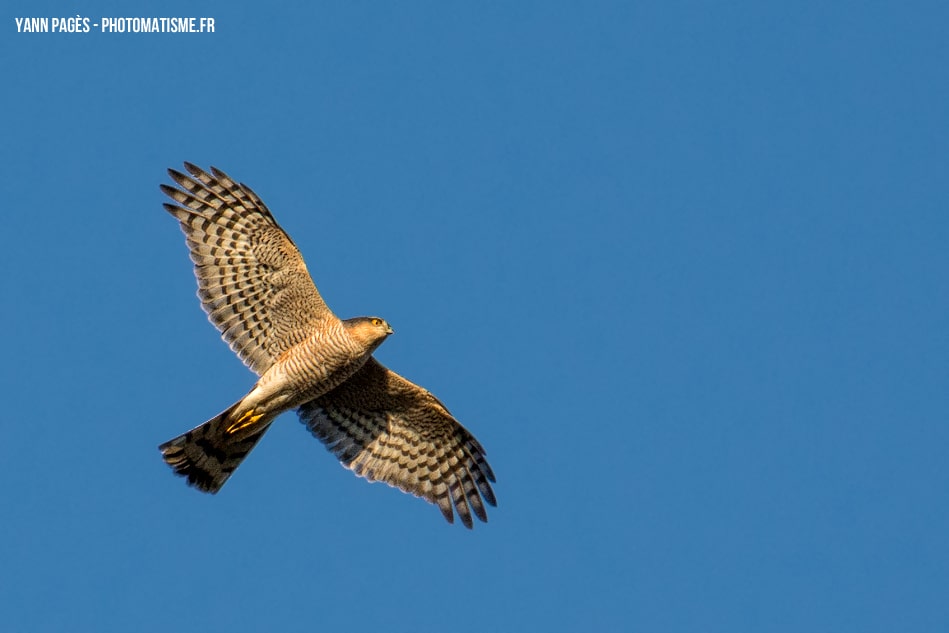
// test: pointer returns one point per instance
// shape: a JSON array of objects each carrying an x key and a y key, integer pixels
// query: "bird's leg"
[{"x": 248, "y": 418}]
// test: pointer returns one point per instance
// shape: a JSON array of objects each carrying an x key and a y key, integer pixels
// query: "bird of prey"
[{"x": 256, "y": 290}]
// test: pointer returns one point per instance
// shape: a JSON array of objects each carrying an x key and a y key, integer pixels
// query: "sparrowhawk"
[{"x": 254, "y": 286}]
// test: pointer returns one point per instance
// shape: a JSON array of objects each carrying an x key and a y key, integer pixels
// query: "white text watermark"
[{"x": 80, "y": 24}]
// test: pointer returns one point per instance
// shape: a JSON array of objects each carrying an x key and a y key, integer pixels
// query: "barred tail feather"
[{"x": 206, "y": 455}]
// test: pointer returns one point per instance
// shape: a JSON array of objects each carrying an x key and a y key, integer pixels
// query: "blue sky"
[{"x": 679, "y": 266}]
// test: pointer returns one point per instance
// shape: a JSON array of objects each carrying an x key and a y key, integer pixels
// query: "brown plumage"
[{"x": 254, "y": 286}]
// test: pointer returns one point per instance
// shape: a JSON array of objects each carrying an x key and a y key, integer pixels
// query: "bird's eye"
[{"x": 377, "y": 321}]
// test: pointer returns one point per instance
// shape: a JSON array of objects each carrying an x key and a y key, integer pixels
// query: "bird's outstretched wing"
[
  {"x": 385, "y": 428},
  {"x": 252, "y": 281}
]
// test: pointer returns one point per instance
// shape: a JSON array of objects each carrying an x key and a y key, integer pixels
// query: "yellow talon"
[{"x": 244, "y": 421}]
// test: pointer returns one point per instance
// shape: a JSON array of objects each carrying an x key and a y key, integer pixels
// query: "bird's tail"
[{"x": 208, "y": 454}]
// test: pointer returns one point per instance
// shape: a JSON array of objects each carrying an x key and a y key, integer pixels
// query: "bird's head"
[{"x": 369, "y": 331}]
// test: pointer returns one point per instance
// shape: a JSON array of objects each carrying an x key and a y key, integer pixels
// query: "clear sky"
[{"x": 680, "y": 266}]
